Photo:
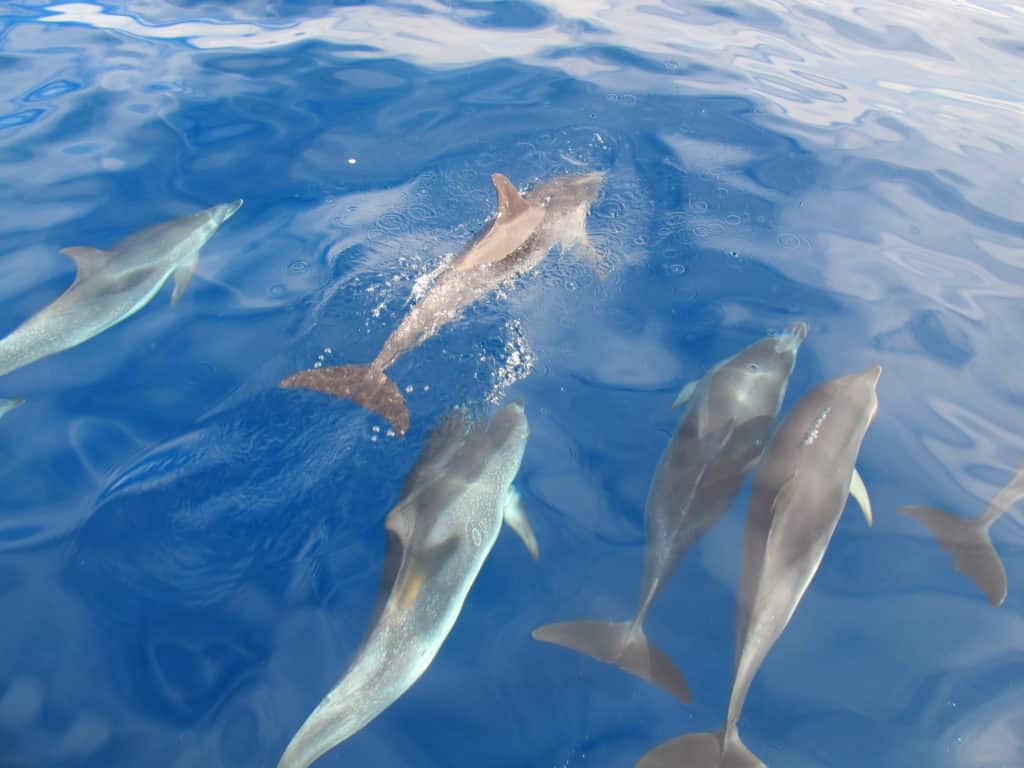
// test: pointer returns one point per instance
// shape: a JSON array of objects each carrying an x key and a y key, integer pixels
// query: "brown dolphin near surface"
[
  {"x": 799, "y": 490},
  {"x": 522, "y": 233},
  {"x": 450, "y": 512},
  {"x": 968, "y": 541},
  {"x": 728, "y": 419}
]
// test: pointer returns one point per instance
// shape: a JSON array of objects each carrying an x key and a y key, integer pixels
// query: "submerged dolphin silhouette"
[
  {"x": 728, "y": 419},
  {"x": 799, "y": 490},
  {"x": 113, "y": 285},
  {"x": 439, "y": 533},
  {"x": 522, "y": 233},
  {"x": 968, "y": 541}
]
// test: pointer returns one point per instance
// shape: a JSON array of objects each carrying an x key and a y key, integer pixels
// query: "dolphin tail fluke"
[
  {"x": 362, "y": 384},
  {"x": 701, "y": 750},
  {"x": 622, "y": 644},
  {"x": 968, "y": 542}
]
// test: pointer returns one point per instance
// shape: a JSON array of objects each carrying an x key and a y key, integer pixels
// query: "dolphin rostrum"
[
  {"x": 728, "y": 419},
  {"x": 6, "y": 406},
  {"x": 113, "y": 285},
  {"x": 968, "y": 541},
  {"x": 439, "y": 533},
  {"x": 522, "y": 233},
  {"x": 799, "y": 490}
]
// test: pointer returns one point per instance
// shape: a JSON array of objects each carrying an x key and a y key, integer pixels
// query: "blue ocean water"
[{"x": 189, "y": 555}]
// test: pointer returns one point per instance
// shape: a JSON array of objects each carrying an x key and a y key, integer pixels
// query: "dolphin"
[
  {"x": 968, "y": 541},
  {"x": 799, "y": 490},
  {"x": 113, "y": 285},
  {"x": 728, "y": 419},
  {"x": 522, "y": 233},
  {"x": 447, "y": 518},
  {"x": 6, "y": 406}
]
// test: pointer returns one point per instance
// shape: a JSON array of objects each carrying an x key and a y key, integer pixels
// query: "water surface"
[{"x": 189, "y": 556}]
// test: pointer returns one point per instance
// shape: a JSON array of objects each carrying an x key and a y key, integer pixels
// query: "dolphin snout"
[
  {"x": 797, "y": 330},
  {"x": 227, "y": 210},
  {"x": 791, "y": 338},
  {"x": 873, "y": 374}
]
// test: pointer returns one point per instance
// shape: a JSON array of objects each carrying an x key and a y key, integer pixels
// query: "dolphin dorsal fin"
[
  {"x": 510, "y": 202},
  {"x": 515, "y": 516},
  {"x": 860, "y": 494},
  {"x": 88, "y": 260}
]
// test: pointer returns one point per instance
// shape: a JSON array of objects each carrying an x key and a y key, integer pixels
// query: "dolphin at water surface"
[
  {"x": 522, "y": 233},
  {"x": 968, "y": 541},
  {"x": 728, "y": 419},
  {"x": 449, "y": 514},
  {"x": 112, "y": 285},
  {"x": 799, "y": 490}
]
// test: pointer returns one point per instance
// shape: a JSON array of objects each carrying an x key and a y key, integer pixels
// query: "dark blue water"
[{"x": 189, "y": 556}]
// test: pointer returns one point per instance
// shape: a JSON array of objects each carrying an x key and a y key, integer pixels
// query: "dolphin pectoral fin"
[
  {"x": 409, "y": 587},
  {"x": 782, "y": 502},
  {"x": 515, "y": 516},
  {"x": 417, "y": 570},
  {"x": 182, "y": 277},
  {"x": 685, "y": 393},
  {"x": 360, "y": 383},
  {"x": 860, "y": 494},
  {"x": 622, "y": 644},
  {"x": 968, "y": 542},
  {"x": 510, "y": 202},
  {"x": 88, "y": 261}
]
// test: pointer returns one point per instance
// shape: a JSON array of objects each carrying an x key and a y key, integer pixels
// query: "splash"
[{"x": 519, "y": 362}]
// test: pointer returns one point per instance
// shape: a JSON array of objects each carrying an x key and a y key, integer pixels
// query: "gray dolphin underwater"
[
  {"x": 799, "y": 491},
  {"x": 968, "y": 541},
  {"x": 728, "y": 419},
  {"x": 113, "y": 285},
  {"x": 522, "y": 233},
  {"x": 449, "y": 514}
]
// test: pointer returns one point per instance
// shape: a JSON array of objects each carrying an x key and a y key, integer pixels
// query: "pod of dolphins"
[{"x": 460, "y": 491}]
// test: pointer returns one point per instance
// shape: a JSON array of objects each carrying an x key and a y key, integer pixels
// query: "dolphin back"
[
  {"x": 970, "y": 546},
  {"x": 362, "y": 384}
]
